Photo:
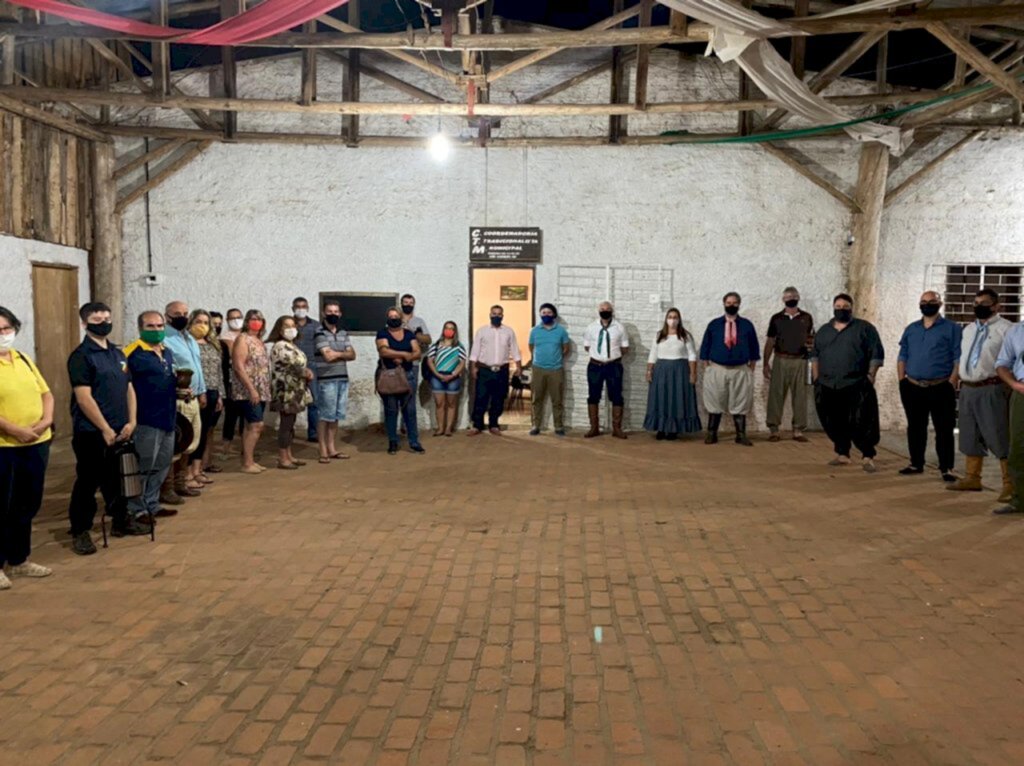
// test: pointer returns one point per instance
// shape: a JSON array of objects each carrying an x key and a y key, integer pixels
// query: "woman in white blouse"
[{"x": 672, "y": 374}]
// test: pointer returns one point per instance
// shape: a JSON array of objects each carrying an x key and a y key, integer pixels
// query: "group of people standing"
[{"x": 167, "y": 390}]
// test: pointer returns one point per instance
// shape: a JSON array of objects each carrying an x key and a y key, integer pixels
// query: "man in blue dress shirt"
[
  {"x": 730, "y": 353},
  {"x": 1010, "y": 367},
  {"x": 926, "y": 366}
]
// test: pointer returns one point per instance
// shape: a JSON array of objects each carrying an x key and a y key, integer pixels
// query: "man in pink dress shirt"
[{"x": 495, "y": 350}]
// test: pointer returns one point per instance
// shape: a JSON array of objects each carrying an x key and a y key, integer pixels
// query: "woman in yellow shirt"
[{"x": 26, "y": 414}]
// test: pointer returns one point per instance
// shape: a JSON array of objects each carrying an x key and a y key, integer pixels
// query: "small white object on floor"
[
  {"x": 598, "y": 634},
  {"x": 28, "y": 569}
]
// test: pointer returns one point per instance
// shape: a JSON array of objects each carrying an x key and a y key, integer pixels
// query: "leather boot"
[
  {"x": 1007, "y": 494},
  {"x": 167, "y": 496},
  {"x": 741, "y": 430},
  {"x": 971, "y": 482},
  {"x": 595, "y": 422},
  {"x": 714, "y": 421},
  {"x": 617, "y": 431}
]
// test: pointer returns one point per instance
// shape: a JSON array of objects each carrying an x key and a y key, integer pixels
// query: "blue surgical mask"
[{"x": 547, "y": 319}]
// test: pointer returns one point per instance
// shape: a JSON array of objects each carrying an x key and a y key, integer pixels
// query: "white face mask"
[
  {"x": 7, "y": 340},
  {"x": 301, "y": 313},
  {"x": 235, "y": 324},
  {"x": 673, "y": 323},
  {"x": 289, "y": 333}
]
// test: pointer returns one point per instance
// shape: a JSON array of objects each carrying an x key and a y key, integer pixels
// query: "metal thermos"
[{"x": 128, "y": 464}]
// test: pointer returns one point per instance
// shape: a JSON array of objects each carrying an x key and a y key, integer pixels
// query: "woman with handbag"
[
  {"x": 396, "y": 380},
  {"x": 289, "y": 386},
  {"x": 26, "y": 413}
]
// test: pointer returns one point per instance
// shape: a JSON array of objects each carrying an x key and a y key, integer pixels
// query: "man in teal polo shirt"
[{"x": 549, "y": 345}]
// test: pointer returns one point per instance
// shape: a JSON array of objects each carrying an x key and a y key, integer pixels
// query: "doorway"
[
  {"x": 55, "y": 317},
  {"x": 513, "y": 288}
]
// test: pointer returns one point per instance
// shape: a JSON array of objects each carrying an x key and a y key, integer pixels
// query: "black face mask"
[
  {"x": 983, "y": 312},
  {"x": 605, "y": 315},
  {"x": 394, "y": 323},
  {"x": 732, "y": 310},
  {"x": 331, "y": 319},
  {"x": 929, "y": 309},
  {"x": 843, "y": 315},
  {"x": 496, "y": 321},
  {"x": 408, "y": 309},
  {"x": 178, "y": 323},
  {"x": 102, "y": 329},
  {"x": 217, "y": 328},
  {"x": 792, "y": 304}
]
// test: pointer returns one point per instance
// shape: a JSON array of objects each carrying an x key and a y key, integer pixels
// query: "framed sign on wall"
[{"x": 491, "y": 244}]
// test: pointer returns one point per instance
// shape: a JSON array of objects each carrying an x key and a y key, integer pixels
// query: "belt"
[
  {"x": 599, "y": 363},
  {"x": 926, "y": 383},
  {"x": 979, "y": 383},
  {"x": 727, "y": 366},
  {"x": 492, "y": 368},
  {"x": 790, "y": 356}
]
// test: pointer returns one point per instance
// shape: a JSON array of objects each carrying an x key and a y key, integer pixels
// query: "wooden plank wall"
[{"x": 45, "y": 184}]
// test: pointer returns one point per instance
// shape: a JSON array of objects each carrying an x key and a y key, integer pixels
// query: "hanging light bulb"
[{"x": 439, "y": 146}]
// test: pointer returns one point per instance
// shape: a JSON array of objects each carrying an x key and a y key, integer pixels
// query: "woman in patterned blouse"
[
  {"x": 250, "y": 384},
  {"x": 200, "y": 326},
  {"x": 446, "y": 361},
  {"x": 289, "y": 388}
]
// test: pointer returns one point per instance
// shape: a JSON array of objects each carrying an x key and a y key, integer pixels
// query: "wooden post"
[
  {"x": 617, "y": 123},
  {"x": 308, "y": 68},
  {"x": 105, "y": 265},
  {"x": 229, "y": 8},
  {"x": 350, "y": 86},
  {"x": 798, "y": 51},
  {"x": 7, "y": 49},
  {"x": 161, "y": 51},
  {"x": 862, "y": 269},
  {"x": 643, "y": 57},
  {"x": 882, "y": 65},
  {"x": 745, "y": 120}
]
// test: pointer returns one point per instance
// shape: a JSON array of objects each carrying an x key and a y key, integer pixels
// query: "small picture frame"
[{"x": 515, "y": 292}]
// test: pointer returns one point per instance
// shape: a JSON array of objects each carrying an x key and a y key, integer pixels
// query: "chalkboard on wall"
[{"x": 362, "y": 313}]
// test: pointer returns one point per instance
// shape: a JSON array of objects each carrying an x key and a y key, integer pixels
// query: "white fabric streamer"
[{"x": 741, "y": 35}]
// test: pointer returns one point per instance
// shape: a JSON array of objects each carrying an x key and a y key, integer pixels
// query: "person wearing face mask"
[
  {"x": 151, "y": 365},
  {"x": 494, "y": 358},
  {"x": 334, "y": 351},
  {"x": 26, "y": 414},
  {"x": 232, "y": 409},
  {"x": 250, "y": 385},
  {"x": 1010, "y": 369},
  {"x": 103, "y": 412},
  {"x": 397, "y": 347},
  {"x": 730, "y": 353},
  {"x": 845, "y": 358},
  {"x": 672, "y": 375},
  {"x": 307, "y": 327},
  {"x": 289, "y": 387},
  {"x": 926, "y": 368},
  {"x": 414, "y": 323},
  {"x": 201, "y": 460},
  {"x": 790, "y": 337},
  {"x": 549, "y": 346},
  {"x": 606, "y": 343},
  {"x": 984, "y": 403},
  {"x": 191, "y": 400},
  {"x": 446, "y": 360}
]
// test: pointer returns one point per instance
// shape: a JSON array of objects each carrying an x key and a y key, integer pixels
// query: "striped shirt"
[{"x": 446, "y": 358}]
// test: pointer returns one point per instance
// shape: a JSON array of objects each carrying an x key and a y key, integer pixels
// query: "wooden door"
[{"x": 57, "y": 333}]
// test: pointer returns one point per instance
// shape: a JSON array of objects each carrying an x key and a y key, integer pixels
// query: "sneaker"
[
  {"x": 869, "y": 466},
  {"x": 28, "y": 569},
  {"x": 559, "y": 432},
  {"x": 798, "y": 436},
  {"x": 392, "y": 448},
  {"x": 1006, "y": 509},
  {"x": 774, "y": 437},
  {"x": 948, "y": 477},
  {"x": 417, "y": 448},
  {"x": 5, "y": 584},
  {"x": 534, "y": 432},
  {"x": 165, "y": 512},
  {"x": 911, "y": 470},
  {"x": 130, "y": 527},
  {"x": 82, "y": 544},
  {"x": 170, "y": 499}
]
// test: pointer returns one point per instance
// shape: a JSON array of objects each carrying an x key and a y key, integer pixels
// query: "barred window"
[{"x": 963, "y": 281}]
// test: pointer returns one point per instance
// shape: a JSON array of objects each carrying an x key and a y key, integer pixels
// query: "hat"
[{"x": 183, "y": 434}]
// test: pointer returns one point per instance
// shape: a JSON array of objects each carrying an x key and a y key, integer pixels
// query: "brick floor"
[{"x": 442, "y": 609}]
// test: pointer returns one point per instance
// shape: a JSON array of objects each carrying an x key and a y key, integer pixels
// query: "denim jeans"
[
  {"x": 156, "y": 451},
  {"x": 406, "y": 404}
]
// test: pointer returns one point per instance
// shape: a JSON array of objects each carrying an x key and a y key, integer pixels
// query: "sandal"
[
  {"x": 324, "y": 461},
  {"x": 253, "y": 469},
  {"x": 339, "y": 456},
  {"x": 299, "y": 463},
  {"x": 214, "y": 469},
  {"x": 194, "y": 484},
  {"x": 204, "y": 479},
  {"x": 287, "y": 466}
]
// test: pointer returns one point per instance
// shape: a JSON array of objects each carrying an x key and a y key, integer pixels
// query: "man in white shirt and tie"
[
  {"x": 984, "y": 407},
  {"x": 606, "y": 342},
  {"x": 494, "y": 345}
]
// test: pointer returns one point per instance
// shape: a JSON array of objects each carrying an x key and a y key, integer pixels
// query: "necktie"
[
  {"x": 976, "y": 345},
  {"x": 605, "y": 337},
  {"x": 730, "y": 333}
]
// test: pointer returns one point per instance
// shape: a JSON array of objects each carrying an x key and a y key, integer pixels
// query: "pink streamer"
[{"x": 267, "y": 19}]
